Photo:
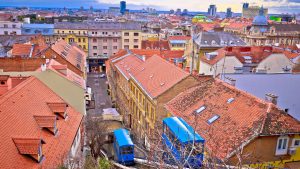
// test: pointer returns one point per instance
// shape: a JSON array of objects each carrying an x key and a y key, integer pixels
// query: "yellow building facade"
[{"x": 79, "y": 36}]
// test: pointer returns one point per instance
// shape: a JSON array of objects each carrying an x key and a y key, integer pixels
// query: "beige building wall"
[
  {"x": 225, "y": 65},
  {"x": 275, "y": 63},
  {"x": 131, "y": 39}
]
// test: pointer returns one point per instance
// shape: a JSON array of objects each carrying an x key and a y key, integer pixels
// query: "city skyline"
[{"x": 275, "y": 6}]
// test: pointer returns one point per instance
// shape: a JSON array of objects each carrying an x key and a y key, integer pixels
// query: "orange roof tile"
[
  {"x": 45, "y": 121},
  {"x": 240, "y": 120},
  {"x": 157, "y": 75},
  {"x": 179, "y": 38},
  {"x": 24, "y": 50},
  {"x": 58, "y": 107},
  {"x": 155, "y": 44},
  {"x": 128, "y": 64},
  {"x": 71, "y": 53},
  {"x": 18, "y": 107},
  {"x": 27, "y": 145}
]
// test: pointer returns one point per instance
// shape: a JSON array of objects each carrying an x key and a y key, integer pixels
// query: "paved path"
[{"x": 99, "y": 89}]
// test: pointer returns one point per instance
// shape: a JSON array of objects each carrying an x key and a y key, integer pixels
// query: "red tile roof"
[
  {"x": 179, "y": 38},
  {"x": 71, "y": 53},
  {"x": 241, "y": 120},
  {"x": 156, "y": 76},
  {"x": 257, "y": 53},
  {"x": 27, "y": 145},
  {"x": 18, "y": 108},
  {"x": 128, "y": 64},
  {"x": 155, "y": 44},
  {"x": 24, "y": 50}
]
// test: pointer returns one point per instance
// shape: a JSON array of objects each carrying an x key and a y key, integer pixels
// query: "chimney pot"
[
  {"x": 230, "y": 81},
  {"x": 271, "y": 98}
]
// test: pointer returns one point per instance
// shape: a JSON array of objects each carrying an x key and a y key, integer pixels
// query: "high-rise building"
[
  {"x": 212, "y": 10},
  {"x": 245, "y": 5},
  {"x": 122, "y": 7},
  {"x": 228, "y": 13}
]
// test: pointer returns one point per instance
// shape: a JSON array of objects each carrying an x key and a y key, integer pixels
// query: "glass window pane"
[
  {"x": 279, "y": 144},
  {"x": 284, "y": 144}
]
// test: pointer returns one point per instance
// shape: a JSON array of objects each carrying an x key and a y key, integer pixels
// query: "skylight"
[
  {"x": 202, "y": 108},
  {"x": 230, "y": 100},
  {"x": 213, "y": 119}
]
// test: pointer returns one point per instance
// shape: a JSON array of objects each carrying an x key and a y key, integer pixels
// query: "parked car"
[{"x": 102, "y": 76}]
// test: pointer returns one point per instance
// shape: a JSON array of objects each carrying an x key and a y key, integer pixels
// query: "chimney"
[
  {"x": 230, "y": 81},
  {"x": 271, "y": 98},
  {"x": 31, "y": 50},
  {"x": 43, "y": 67}
]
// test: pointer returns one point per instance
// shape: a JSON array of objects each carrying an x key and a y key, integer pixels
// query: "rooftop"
[
  {"x": 226, "y": 125},
  {"x": 285, "y": 86},
  {"x": 19, "y": 106},
  {"x": 157, "y": 75}
]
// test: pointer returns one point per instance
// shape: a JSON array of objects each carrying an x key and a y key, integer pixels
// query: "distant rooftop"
[
  {"x": 285, "y": 86},
  {"x": 99, "y": 25}
]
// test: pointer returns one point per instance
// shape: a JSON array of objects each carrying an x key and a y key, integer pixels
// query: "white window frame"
[
  {"x": 282, "y": 151},
  {"x": 293, "y": 143}
]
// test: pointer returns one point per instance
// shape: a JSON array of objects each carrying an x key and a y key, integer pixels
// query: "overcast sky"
[{"x": 276, "y": 6}]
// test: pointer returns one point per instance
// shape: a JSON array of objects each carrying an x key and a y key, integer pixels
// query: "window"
[
  {"x": 136, "y": 46},
  {"x": 282, "y": 145},
  {"x": 71, "y": 40},
  {"x": 94, "y": 47},
  {"x": 63, "y": 32},
  {"x": 115, "y": 40},
  {"x": 296, "y": 142},
  {"x": 126, "y": 34},
  {"x": 5, "y": 26},
  {"x": 115, "y": 47},
  {"x": 5, "y": 32},
  {"x": 79, "y": 40},
  {"x": 2, "y": 82},
  {"x": 94, "y": 40},
  {"x": 84, "y": 47},
  {"x": 95, "y": 54},
  {"x": 126, "y": 46},
  {"x": 201, "y": 109},
  {"x": 136, "y": 40},
  {"x": 14, "y": 26},
  {"x": 136, "y": 34},
  {"x": 104, "y": 47},
  {"x": 213, "y": 119},
  {"x": 126, "y": 40},
  {"x": 104, "y": 40},
  {"x": 83, "y": 40}
]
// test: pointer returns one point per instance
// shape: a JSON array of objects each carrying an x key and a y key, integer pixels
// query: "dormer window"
[
  {"x": 31, "y": 147},
  {"x": 59, "y": 109},
  {"x": 47, "y": 122}
]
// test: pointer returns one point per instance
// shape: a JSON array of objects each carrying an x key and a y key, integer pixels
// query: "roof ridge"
[
  {"x": 169, "y": 63},
  {"x": 16, "y": 89}
]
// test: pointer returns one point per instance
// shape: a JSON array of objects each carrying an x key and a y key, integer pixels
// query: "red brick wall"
[{"x": 20, "y": 64}]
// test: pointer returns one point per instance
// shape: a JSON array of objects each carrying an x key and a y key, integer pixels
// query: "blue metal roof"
[
  {"x": 178, "y": 41},
  {"x": 41, "y": 26},
  {"x": 123, "y": 137},
  {"x": 182, "y": 130}
]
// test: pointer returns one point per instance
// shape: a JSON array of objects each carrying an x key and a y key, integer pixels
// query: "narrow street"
[{"x": 99, "y": 89}]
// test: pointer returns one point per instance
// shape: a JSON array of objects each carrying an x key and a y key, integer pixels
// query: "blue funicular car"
[
  {"x": 183, "y": 145},
  {"x": 123, "y": 147}
]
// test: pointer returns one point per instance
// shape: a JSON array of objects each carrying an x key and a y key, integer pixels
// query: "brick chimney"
[
  {"x": 230, "y": 81},
  {"x": 271, "y": 98}
]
